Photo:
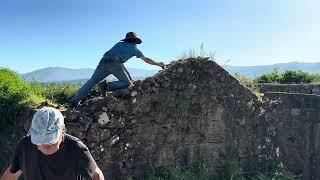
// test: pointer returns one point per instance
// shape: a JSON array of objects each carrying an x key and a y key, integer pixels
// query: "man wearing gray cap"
[{"x": 48, "y": 153}]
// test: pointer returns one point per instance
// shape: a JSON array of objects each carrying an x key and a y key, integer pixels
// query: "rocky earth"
[{"x": 191, "y": 113}]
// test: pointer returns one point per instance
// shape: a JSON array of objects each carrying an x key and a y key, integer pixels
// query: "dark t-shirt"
[{"x": 72, "y": 161}]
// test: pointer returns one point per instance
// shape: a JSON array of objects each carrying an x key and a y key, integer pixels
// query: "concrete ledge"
[{"x": 290, "y": 88}]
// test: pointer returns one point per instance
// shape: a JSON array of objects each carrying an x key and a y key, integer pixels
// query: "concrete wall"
[
  {"x": 295, "y": 120},
  {"x": 290, "y": 88}
]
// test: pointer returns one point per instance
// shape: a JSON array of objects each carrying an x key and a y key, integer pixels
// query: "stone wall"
[
  {"x": 193, "y": 112},
  {"x": 290, "y": 88},
  {"x": 190, "y": 113}
]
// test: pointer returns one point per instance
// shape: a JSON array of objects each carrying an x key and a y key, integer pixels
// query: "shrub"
[
  {"x": 59, "y": 93},
  {"x": 288, "y": 77},
  {"x": 272, "y": 77},
  {"x": 295, "y": 77},
  {"x": 315, "y": 78},
  {"x": 14, "y": 94}
]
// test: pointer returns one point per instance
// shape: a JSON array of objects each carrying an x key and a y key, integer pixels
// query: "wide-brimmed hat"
[
  {"x": 46, "y": 126},
  {"x": 133, "y": 36}
]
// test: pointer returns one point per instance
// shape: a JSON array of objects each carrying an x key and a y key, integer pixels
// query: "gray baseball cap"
[{"x": 46, "y": 126}]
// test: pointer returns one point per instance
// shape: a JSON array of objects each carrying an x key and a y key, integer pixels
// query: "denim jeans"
[{"x": 104, "y": 69}]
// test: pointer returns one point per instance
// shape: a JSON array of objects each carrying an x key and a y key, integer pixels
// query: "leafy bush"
[
  {"x": 315, "y": 78},
  {"x": 14, "y": 94},
  {"x": 59, "y": 93},
  {"x": 295, "y": 77},
  {"x": 272, "y": 77},
  {"x": 288, "y": 77}
]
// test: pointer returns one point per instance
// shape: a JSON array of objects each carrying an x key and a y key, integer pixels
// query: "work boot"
[{"x": 102, "y": 88}]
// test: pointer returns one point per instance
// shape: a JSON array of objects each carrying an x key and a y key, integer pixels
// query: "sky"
[{"x": 37, "y": 34}]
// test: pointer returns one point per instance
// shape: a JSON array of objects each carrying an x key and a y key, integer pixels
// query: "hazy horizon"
[{"x": 157, "y": 69}]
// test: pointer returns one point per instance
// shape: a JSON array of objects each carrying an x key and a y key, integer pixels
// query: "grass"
[
  {"x": 251, "y": 84},
  {"x": 200, "y": 54},
  {"x": 232, "y": 170}
]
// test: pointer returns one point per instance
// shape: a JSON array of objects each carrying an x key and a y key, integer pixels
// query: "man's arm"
[
  {"x": 7, "y": 175},
  {"x": 97, "y": 175},
  {"x": 152, "y": 62}
]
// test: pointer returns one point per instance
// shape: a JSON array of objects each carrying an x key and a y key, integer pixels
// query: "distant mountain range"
[
  {"x": 255, "y": 71},
  {"x": 60, "y": 74}
]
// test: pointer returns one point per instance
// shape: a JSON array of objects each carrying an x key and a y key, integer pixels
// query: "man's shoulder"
[
  {"x": 119, "y": 44},
  {"x": 25, "y": 140},
  {"x": 126, "y": 45},
  {"x": 24, "y": 143},
  {"x": 74, "y": 141}
]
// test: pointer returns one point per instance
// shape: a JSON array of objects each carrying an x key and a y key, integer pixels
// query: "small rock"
[
  {"x": 134, "y": 93},
  {"x": 105, "y": 109},
  {"x": 242, "y": 122},
  {"x": 114, "y": 139},
  {"x": 134, "y": 100},
  {"x": 103, "y": 118},
  {"x": 295, "y": 112},
  {"x": 165, "y": 84}
]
